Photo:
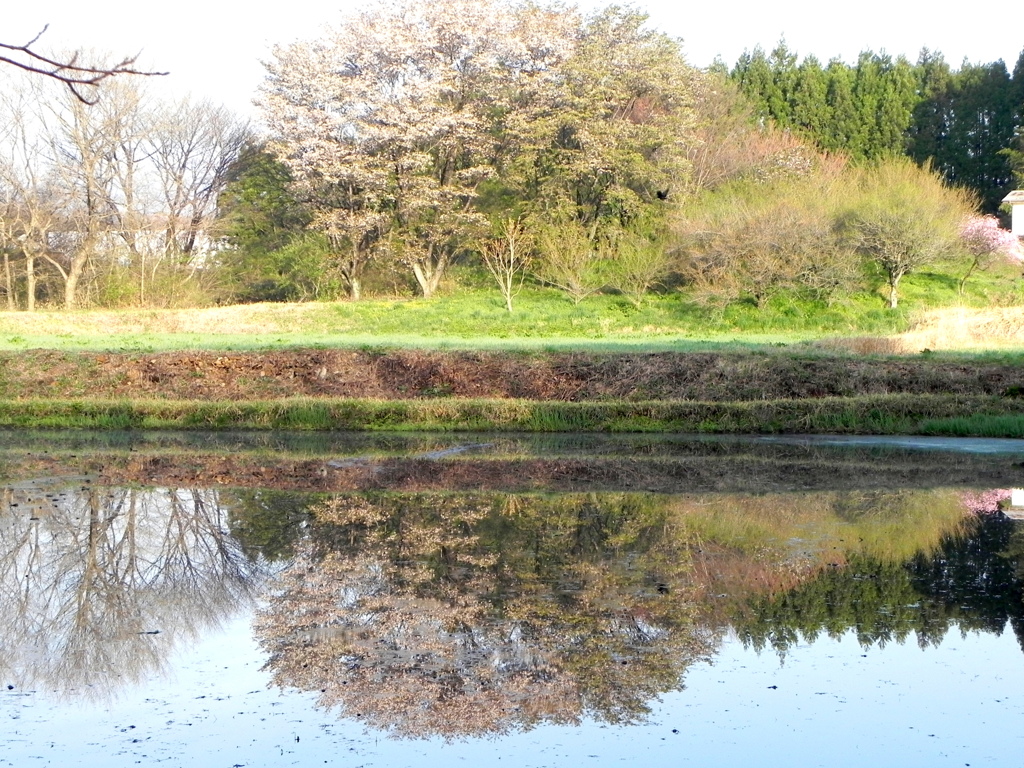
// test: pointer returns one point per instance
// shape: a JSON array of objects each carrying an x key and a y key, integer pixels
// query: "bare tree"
[
  {"x": 87, "y": 145},
  {"x": 98, "y": 585},
  {"x": 31, "y": 201},
  {"x": 192, "y": 147},
  {"x": 131, "y": 185},
  {"x": 79, "y": 76},
  {"x": 143, "y": 178},
  {"x": 507, "y": 257}
]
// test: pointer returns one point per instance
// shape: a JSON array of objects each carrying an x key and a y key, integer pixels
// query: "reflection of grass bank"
[
  {"x": 826, "y": 528},
  {"x": 508, "y": 462},
  {"x": 990, "y": 416}
]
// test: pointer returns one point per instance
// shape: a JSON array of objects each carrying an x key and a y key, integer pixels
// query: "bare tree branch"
[{"x": 74, "y": 74}]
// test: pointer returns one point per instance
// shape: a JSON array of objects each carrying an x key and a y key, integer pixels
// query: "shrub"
[
  {"x": 302, "y": 270},
  {"x": 634, "y": 262},
  {"x": 728, "y": 142},
  {"x": 753, "y": 240},
  {"x": 567, "y": 257},
  {"x": 902, "y": 217}
]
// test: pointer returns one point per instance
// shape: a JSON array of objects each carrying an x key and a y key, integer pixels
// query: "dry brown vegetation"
[
  {"x": 404, "y": 374},
  {"x": 237, "y": 319},
  {"x": 966, "y": 329}
]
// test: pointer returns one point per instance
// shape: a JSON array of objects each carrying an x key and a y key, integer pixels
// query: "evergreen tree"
[
  {"x": 932, "y": 116},
  {"x": 757, "y": 81},
  {"x": 895, "y": 108},
  {"x": 867, "y": 94},
  {"x": 840, "y": 133},
  {"x": 982, "y": 126},
  {"x": 965, "y": 123},
  {"x": 785, "y": 74},
  {"x": 257, "y": 206},
  {"x": 262, "y": 221},
  {"x": 809, "y": 101}
]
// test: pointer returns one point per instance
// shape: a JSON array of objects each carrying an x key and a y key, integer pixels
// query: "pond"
[{"x": 389, "y": 600}]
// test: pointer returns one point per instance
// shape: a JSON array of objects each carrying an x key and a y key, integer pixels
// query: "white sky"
[{"x": 213, "y": 48}]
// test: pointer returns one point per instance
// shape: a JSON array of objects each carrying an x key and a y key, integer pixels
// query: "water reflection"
[
  {"x": 972, "y": 581},
  {"x": 467, "y": 614},
  {"x": 97, "y": 584}
]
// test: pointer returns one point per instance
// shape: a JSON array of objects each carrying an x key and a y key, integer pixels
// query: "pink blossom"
[
  {"x": 985, "y": 502},
  {"x": 982, "y": 235}
]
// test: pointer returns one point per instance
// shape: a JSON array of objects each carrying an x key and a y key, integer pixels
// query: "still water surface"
[{"x": 776, "y": 603}]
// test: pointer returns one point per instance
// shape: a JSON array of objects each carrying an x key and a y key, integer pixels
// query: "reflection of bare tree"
[
  {"x": 97, "y": 584},
  {"x": 464, "y": 615}
]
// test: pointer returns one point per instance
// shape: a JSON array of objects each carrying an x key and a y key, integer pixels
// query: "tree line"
[
  {"x": 112, "y": 202},
  {"x": 927, "y": 595},
  {"x": 965, "y": 122},
  {"x": 585, "y": 154},
  {"x": 537, "y": 144}
]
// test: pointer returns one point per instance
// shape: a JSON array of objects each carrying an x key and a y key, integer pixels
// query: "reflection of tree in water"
[
  {"x": 97, "y": 584},
  {"x": 452, "y": 614},
  {"x": 750, "y": 548},
  {"x": 267, "y": 522},
  {"x": 973, "y": 580},
  {"x": 977, "y": 581},
  {"x": 472, "y": 614}
]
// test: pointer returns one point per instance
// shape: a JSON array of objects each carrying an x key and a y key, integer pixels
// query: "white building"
[
  {"x": 1015, "y": 509},
  {"x": 1016, "y": 201}
]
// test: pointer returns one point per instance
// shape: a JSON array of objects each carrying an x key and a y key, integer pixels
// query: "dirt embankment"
[
  {"x": 707, "y": 472},
  {"x": 427, "y": 374}
]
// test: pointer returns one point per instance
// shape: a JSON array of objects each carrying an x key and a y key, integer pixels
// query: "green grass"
[
  {"x": 889, "y": 414},
  {"x": 152, "y": 343},
  {"x": 471, "y": 316},
  {"x": 980, "y": 425},
  {"x": 544, "y": 314},
  {"x": 474, "y": 317}
]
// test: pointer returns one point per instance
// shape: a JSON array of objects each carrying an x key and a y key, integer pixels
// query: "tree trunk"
[
  {"x": 142, "y": 280},
  {"x": 351, "y": 271},
  {"x": 963, "y": 280},
  {"x": 894, "y": 282},
  {"x": 8, "y": 282},
  {"x": 71, "y": 283},
  {"x": 429, "y": 273},
  {"x": 30, "y": 283},
  {"x": 422, "y": 280}
]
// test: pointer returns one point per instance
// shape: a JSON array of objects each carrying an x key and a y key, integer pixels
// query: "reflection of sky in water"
[{"x": 835, "y": 704}]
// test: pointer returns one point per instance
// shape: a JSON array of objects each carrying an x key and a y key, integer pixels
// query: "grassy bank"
[
  {"x": 887, "y": 415},
  {"x": 462, "y": 363},
  {"x": 473, "y": 317}
]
